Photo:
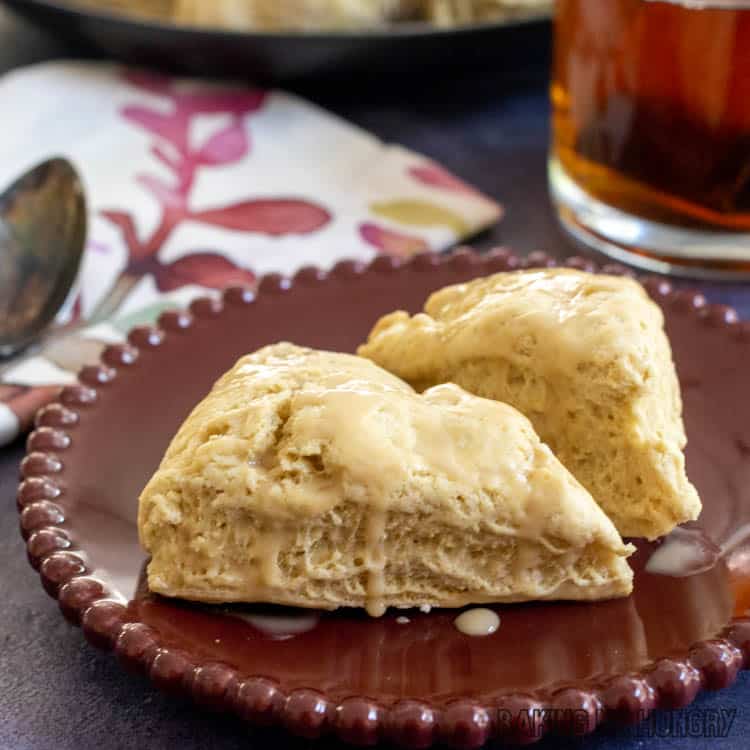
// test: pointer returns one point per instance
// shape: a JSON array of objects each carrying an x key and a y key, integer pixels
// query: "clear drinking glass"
[{"x": 650, "y": 157}]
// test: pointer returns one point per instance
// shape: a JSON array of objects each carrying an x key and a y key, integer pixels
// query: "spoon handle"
[
  {"x": 53, "y": 338},
  {"x": 108, "y": 306}
]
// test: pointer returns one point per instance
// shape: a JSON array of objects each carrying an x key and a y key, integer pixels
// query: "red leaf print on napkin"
[
  {"x": 267, "y": 216},
  {"x": 392, "y": 243},
  {"x": 124, "y": 222},
  {"x": 172, "y": 127},
  {"x": 204, "y": 269},
  {"x": 168, "y": 196},
  {"x": 204, "y": 100},
  {"x": 151, "y": 82},
  {"x": 225, "y": 146},
  {"x": 216, "y": 102},
  {"x": 229, "y": 144},
  {"x": 171, "y": 161}
]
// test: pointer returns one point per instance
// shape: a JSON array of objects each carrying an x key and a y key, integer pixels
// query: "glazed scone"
[
  {"x": 584, "y": 357},
  {"x": 320, "y": 480}
]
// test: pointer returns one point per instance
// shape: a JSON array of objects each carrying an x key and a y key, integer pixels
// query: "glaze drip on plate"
[{"x": 477, "y": 622}]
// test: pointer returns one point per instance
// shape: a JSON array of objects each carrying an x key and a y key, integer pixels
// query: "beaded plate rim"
[{"x": 515, "y": 718}]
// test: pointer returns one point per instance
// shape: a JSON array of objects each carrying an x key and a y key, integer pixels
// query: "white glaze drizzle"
[
  {"x": 478, "y": 622},
  {"x": 280, "y": 626}
]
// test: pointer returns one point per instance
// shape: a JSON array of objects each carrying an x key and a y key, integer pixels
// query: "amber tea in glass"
[{"x": 650, "y": 158}]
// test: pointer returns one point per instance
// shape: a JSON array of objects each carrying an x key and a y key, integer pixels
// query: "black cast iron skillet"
[{"x": 408, "y": 48}]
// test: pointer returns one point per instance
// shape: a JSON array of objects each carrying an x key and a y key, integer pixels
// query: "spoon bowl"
[{"x": 42, "y": 237}]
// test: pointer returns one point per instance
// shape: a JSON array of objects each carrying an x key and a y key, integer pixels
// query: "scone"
[
  {"x": 584, "y": 357},
  {"x": 320, "y": 480}
]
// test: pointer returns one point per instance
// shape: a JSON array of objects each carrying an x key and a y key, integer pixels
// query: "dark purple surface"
[{"x": 55, "y": 690}]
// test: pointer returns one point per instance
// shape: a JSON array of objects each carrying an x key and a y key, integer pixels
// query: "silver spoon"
[{"x": 42, "y": 237}]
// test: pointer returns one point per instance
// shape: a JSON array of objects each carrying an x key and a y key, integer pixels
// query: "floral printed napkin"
[{"x": 194, "y": 186}]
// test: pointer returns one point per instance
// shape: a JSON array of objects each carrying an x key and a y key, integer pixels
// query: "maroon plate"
[{"x": 362, "y": 679}]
